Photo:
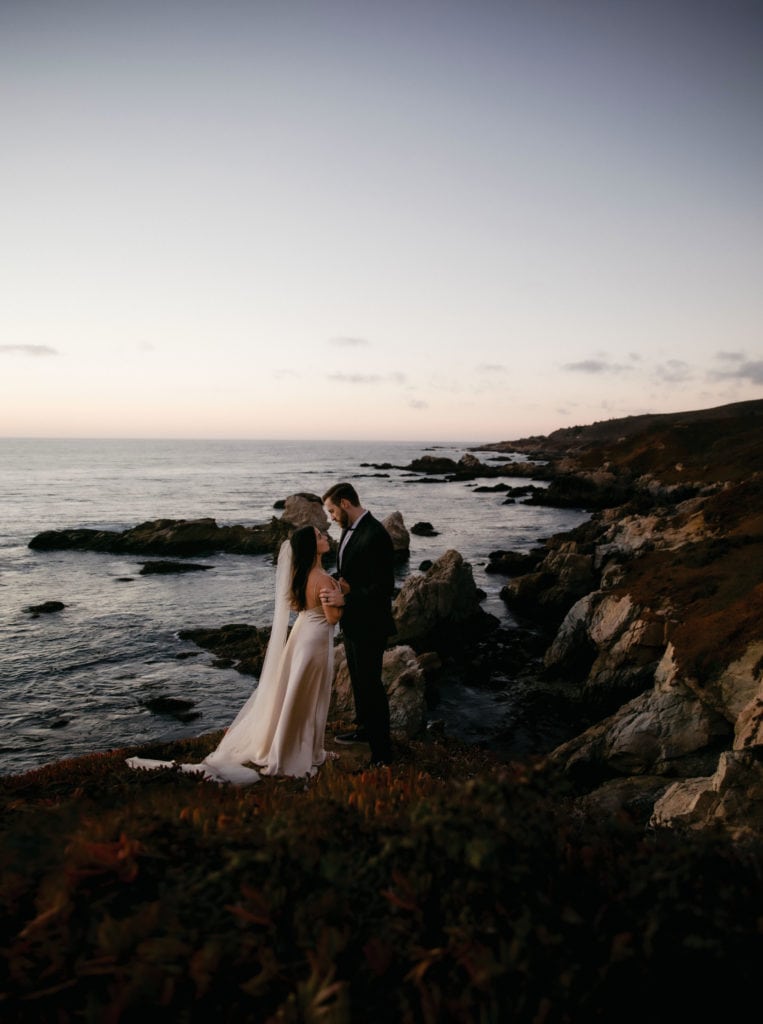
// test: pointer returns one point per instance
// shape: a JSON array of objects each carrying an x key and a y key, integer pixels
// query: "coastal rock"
[
  {"x": 611, "y": 643},
  {"x": 174, "y": 707},
  {"x": 305, "y": 509},
  {"x": 469, "y": 467},
  {"x": 656, "y": 733},
  {"x": 164, "y": 568},
  {"x": 440, "y": 600},
  {"x": 432, "y": 464},
  {"x": 403, "y": 675},
  {"x": 46, "y": 608},
  {"x": 514, "y": 563},
  {"x": 401, "y": 540},
  {"x": 187, "y": 537},
  {"x": 732, "y": 797},
  {"x": 237, "y": 645},
  {"x": 659, "y": 634},
  {"x": 424, "y": 530},
  {"x": 174, "y": 537}
]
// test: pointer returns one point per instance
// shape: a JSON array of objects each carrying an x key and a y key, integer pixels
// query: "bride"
[{"x": 281, "y": 728}]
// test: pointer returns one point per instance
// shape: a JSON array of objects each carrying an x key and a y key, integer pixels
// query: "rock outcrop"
[
  {"x": 170, "y": 537},
  {"x": 654, "y": 611}
]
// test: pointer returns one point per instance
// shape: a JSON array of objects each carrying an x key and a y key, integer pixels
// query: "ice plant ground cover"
[{"x": 447, "y": 887}]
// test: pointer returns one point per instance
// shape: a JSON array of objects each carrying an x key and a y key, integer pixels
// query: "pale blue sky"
[{"x": 423, "y": 221}]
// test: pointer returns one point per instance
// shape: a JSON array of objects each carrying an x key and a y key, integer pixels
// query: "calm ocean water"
[{"x": 77, "y": 681}]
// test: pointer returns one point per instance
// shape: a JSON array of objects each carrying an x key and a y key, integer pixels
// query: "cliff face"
[{"x": 656, "y": 611}]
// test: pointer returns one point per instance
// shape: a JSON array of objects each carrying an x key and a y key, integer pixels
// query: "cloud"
[
  {"x": 349, "y": 342},
  {"x": 751, "y": 371},
  {"x": 416, "y": 403},
  {"x": 595, "y": 366},
  {"x": 674, "y": 371},
  {"x": 734, "y": 357},
  {"x": 30, "y": 350},
  {"x": 367, "y": 378},
  {"x": 491, "y": 368},
  {"x": 356, "y": 378}
]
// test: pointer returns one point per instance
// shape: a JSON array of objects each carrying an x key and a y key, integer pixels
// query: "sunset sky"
[{"x": 390, "y": 220}]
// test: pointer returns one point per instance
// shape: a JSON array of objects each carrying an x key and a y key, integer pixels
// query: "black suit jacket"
[{"x": 368, "y": 565}]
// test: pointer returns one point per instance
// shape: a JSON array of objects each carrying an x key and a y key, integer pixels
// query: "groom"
[{"x": 365, "y": 564}]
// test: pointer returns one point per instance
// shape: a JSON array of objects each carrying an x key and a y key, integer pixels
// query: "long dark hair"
[{"x": 304, "y": 547}]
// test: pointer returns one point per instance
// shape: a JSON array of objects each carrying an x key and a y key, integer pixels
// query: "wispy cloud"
[
  {"x": 417, "y": 403},
  {"x": 343, "y": 342},
  {"x": 491, "y": 368},
  {"x": 356, "y": 378},
  {"x": 751, "y": 370},
  {"x": 732, "y": 357},
  {"x": 674, "y": 371},
  {"x": 30, "y": 350},
  {"x": 595, "y": 366},
  {"x": 367, "y": 378}
]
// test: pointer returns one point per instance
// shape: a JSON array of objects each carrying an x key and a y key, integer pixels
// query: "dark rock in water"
[
  {"x": 243, "y": 647},
  {"x": 125, "y": 579},
  {"x": 424, "y": 530},
  {"x": 170, "y": 537},
  {"x": 484, "y": 489},
  {"x": 174, "y": 706},
  {"x": 46, "y": 608},
  {"x": 433, "y": 464},
  {"x": 426, "y": 565},
  {"x": 163, "y": 568},
  {"x": 514, "y": 563}
]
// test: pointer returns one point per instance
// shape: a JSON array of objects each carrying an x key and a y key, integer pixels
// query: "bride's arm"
[{"x": 328, "y": 592}]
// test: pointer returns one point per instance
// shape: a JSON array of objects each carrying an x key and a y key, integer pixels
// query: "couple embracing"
[{"x": 281, "y": 728}]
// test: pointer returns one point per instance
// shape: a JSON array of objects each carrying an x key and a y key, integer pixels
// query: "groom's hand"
[{"x": 332, "y": 597}]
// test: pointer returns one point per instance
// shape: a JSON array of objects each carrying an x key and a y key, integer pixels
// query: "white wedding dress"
[{"x": 282, "y": 726}]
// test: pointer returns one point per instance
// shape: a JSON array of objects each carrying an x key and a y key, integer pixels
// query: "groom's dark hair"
[{"x": 336, "y": 493}]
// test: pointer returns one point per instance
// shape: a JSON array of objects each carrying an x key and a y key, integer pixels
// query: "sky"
[{"x": 446, "y": 221}]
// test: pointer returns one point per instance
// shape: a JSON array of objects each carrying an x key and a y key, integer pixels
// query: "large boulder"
[
  {"x": 401, "y": 539},
  {"x": 305, "y": 509},
  {"x": 444, "y": 598},
  {"x": 731, "y": 797},
  {"x": 612, "y": 643},
  {"x": 404, "y": 681}
]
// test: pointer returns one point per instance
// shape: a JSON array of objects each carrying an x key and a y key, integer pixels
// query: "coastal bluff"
[{"x": 653, "y": 611}]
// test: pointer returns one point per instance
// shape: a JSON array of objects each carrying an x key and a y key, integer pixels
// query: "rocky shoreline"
[{"x": 645, "y": 623}]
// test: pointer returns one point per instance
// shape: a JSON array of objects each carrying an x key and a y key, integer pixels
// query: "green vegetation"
[{"x": 447, "y": 888}]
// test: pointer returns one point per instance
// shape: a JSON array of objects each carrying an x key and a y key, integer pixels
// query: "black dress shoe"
[{"x": 357, "y": 736}]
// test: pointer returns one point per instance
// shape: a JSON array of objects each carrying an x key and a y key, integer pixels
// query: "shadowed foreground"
[{"x": 446, "y": 888}]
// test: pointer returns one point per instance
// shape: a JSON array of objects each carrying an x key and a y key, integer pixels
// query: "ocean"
[{"x": 79, "y": 680}]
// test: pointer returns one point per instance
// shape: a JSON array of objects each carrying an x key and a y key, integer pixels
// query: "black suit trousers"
[{"x": 364, "y": 660}]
